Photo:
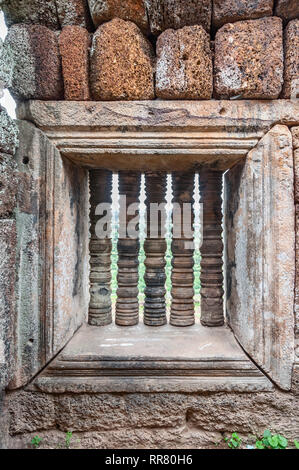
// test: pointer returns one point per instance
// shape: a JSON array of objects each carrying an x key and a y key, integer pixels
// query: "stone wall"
[{"x": 168, "y": 49}]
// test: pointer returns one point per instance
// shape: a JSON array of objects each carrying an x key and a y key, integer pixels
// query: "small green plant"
[
  {"x": 234, "y": 442},
  {"x": 35, "y": 442},
  {"x": 68, "y": 439},
  {"x": 296, "y": 443},
  {"x": 271, "y": 441}
]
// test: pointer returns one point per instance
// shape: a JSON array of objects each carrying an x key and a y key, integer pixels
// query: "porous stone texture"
[
  {"x": 164, "y": 420},
  {"x": 249, "y": 59},
  {"x": 287, "y": 9},
  {"x": 184, "y": 64},
  {"x": 229, "y": 11},
  {"x": 165, "y": 14},
  {"x": 8, "y": 185},
  {"x": 7, "y": 299},
  {"x": 74, "y": 44},
  {"x": 31, "y": 11},
  {"x": 8, "y": 133},
  {"x": 291, "y": 64},
  {"x": 129, "y": 10},
  {"x": 73, "y": 12},
  {"x": 36, "y": 63},
  {"x": 121, "y": 63}
]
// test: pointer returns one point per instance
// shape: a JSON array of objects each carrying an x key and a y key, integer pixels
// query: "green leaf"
[
  {"x": 265, "y": 441},
  {"x": 259, "y": 445},
  {"x": 267, "y": 433},
  {"x": 273, "y": 441},
  {"x": 296, "y": 444},
  {"x": 235, "y": 443},
  {"x": 235, "y": 436},
  {"x": 282, "y": 441}
]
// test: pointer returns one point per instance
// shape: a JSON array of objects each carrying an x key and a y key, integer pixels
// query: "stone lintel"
[{"x": 157, "y": 135}]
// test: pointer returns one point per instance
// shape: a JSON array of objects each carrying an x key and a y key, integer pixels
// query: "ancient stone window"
[
  {"x": 240, "y": 149},
  {"x": 182, "y": 311}
]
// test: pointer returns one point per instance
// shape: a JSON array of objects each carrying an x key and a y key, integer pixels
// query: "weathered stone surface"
[
  {"x": 297, "y": 250},
  {"x": 73, "y": 12},
  {"x": 291, "y": 64},
  {"x": 8, "y": 185},
  {"x": 121, "y": 63},
  {"x": 249, "y": 59},
  {"x": 31, "y": 11},
  {"x": 295, "y": 135},
  {"x": 51, "y": 263},
  {"x": 36, "y": 62},
  {"x": 229, "y": 11},
  {"x": 296, "y": 171},
  {"x": 74, "y": 44},
  {"x": 184, "y": 64},
  {"x": 165, "y": 14},
  {"x": 8, "y": 133},
  {"x": 151, "y": 420},
  {"x": 260, "y": 254},
  {"x": 287, "y": 9},
  {"x": 31, "y": 412},
  {"x": 7, "y": 298},
  {"x": 130, "y": 10}
]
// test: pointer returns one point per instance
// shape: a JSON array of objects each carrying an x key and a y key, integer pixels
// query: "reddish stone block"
[
  {"x": 249, "y": 59},
  {"x": 165, "y": 14},
  {"x": 129, "y": 10},
  {"x": 37, "y": 73},
  {"x": 74, "y": 44},
  {"x": 121, "y": 63},
  {"x": 230, "y": 11},
  {"x": 291, "y": 64},
  {"x": 287, "y": 9},
  {"x": 184, "y": 64}
]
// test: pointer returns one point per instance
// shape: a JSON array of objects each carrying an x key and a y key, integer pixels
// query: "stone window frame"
[{"x": 120, "y": 135}]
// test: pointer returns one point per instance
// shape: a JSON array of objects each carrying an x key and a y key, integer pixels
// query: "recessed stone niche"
[{"x": 248, "y": 141}]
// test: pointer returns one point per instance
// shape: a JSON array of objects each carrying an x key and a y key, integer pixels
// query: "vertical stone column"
[
  {"x": 155, "y": 249},
  {"x": 127, "y": 307},
  {"x": 100, "y": 308},
  {"x": 212, "y": 249},
  {"x": 182, "y": 277}
]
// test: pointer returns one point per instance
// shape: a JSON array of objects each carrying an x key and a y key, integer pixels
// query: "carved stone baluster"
[
  {"x": 212, "y": 249},
  {"x": 182, "y": 277},
  {"x": 100, "y": 310},
  {"x": 155, "y": 248},
  {"x": 127, "y": 306}
]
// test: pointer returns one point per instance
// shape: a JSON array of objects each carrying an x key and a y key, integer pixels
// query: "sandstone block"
[
  {"x": 31, "y": 11},
  {"x": 296, "y": 170},
  {"x": 291, "y": 64},
  {"x": 36, "y": 63},
  {"x": 74, "y": 44},
  {"x": 130, "y": 10},
  {"x": 287, "y": 9},
  {"x": 31, "y": 412},
  {"x": 249, "y": 59},
  {"x": 295, "y": 137},
  {"x": 229, "y": 11},
  {"x": 121, "y": 63},
  {"x": 184, "y": 64},
  {"x": 165, "y": 14},
  {"x": 8, "y": 185},
  {"x": 73, "y": 12},
  {"x": 297, "y": 249}
]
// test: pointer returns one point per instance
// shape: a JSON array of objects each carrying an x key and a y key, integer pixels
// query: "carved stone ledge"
[
  {"x": 145, "y": 359},
  {"x": 160, "y": 135}
]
